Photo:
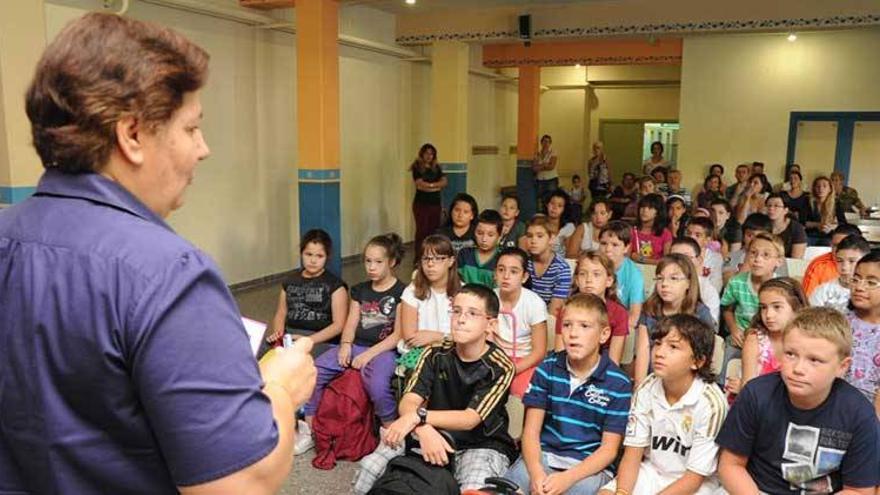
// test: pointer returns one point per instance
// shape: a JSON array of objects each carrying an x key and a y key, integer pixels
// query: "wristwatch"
[{"x": 422, "y": 413}]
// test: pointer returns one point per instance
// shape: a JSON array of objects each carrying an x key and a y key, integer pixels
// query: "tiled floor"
[{"x": 259, "y": 304}]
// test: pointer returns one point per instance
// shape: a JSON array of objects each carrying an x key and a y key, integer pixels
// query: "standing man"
[{"x": 124, "y": 365}]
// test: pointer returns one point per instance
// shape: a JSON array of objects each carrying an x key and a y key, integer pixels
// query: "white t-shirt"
[
  {"x": 433, "y": 312},
  {"x": 710, "y": 297},
  {"x": 587, "y": 240},
  {"x": 831, "y": 294},
  {"x": 713, "y": 263},
  {"x": 529, "y": 310},
  {"x": 678, "y": 437},
  {"x": 544, "y": 159},
  {"x": 564, "y": 233}
]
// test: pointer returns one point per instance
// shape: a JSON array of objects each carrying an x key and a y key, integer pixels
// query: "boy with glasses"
[{"x": 460, "y": 386}]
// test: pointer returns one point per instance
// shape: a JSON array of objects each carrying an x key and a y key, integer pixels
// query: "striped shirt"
[
  {"x": 555, "y": 282},
  {"x": 740, "y": 294},
  {"x": 575, "y": 419}
]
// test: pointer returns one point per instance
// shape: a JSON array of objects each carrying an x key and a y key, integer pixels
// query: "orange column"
[
  {"x": 527, "y": 137},
  {"x": 317, "y": 97}
]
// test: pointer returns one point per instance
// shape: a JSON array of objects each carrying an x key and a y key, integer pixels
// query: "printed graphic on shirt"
[
  {"x": 813, "y": 453},
  {"x": 669, "y": 444},
  {"x": 646, "y": 248},
  {"x": 596, "y": 396},
  {"x": 379, "y": 313},
  {"x": 302, "y": 296}
]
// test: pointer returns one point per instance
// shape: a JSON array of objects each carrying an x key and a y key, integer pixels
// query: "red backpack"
[{"x": 343, "y": 425}]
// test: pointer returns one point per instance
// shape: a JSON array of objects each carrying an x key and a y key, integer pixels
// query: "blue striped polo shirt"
[
  {"x": 575, "y": 420},
  {"x": 555, "y": 282}
]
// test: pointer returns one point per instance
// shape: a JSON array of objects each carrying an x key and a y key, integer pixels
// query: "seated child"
[
  {"x": 595, "y": 275},
  {"x": 736, "y": 263},
  {"x": 864, "y": 319},
  {"x": 676, "y": 414},
  {"x": 559, "y": 220},
  {"x": 569, "y": 445},
  {"x": 424, "y": 314},
  {"x": 459, "y": 386},
  {"x": 803, "y": 428},
  {"x": 702, "y": 230},
  {"x": 550, "y": 274},
  {"x": 823, "y": 268},
  {"x": 676, "y": 291},
  {"x": 779, "y": 300},
  {"x": 459, "y": 226},
  {"x": 371, "y": 331},
  {"x": 727, "y": 230},
  {"x": 739, "y": 303},
  {"x": 476, "y": 265},
  {"x": 512, "y": 229},
  {"x": 835, "y": 293},
  {"x": 522, "y": 323},
  {"x": 708, "y": 293},
  {"x": 614, "y": 241},
  {"x": 650, "y": 237}
]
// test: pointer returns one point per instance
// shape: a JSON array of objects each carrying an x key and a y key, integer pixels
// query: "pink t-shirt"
[
  {"x": 767, "y": 361},
  {"x": 649, "y": 245}
]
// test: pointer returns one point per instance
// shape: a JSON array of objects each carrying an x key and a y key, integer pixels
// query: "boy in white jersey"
[{"x": 676, "y": 413}]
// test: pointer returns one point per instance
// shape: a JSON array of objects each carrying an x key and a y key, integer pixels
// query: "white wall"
[{"x": 737, "y": 91}]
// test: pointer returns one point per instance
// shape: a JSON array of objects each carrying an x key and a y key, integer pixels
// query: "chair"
[
  {"x": 516, "y": 413},
  {"x": 815, "y": 251},
  {"x": 718, "y": 356},
  {"x": 572, "y": 266},
  {"x": 551, "y": 332},
  {"x": 734, "y": 369},
  {"x": 629, "y": 348},
  {"x": 648, "y": 273},
  {"x": 796, "y": 267}
]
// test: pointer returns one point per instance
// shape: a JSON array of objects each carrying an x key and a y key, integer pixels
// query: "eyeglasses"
[
  {"x": 469, "y": 314},
  {"x": 673, "y": 279},
  {"x": 427, "y": 260},
  {"x": 869, "y": 283},
  {"x": 767, "y": 255}
]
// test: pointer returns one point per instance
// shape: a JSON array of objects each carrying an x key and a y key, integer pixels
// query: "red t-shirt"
[{"x": 618, "y": 319}]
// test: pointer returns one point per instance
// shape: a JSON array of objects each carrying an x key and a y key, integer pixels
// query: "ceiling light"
[
  {"x": 410, "y": 2},
  {"x": 577, "y": 66},
  {"x": 791, "y": 37}
]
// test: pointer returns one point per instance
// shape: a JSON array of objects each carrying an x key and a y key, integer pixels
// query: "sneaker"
[{"x": 304, "y": 440}]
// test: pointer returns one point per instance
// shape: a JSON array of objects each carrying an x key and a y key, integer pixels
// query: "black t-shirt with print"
[
  {"x": 448, "y": 383},
  {"x": 814, "y": 451},
  {"x": 459, "y": 242},
  {"x": 309, "y": 307},
  {"x": 378, "y": 311}
]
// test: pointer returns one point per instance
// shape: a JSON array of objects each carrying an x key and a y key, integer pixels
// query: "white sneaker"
[{"x": 304, "y": 441}]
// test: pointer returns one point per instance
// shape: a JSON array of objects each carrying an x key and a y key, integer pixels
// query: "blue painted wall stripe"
[
  {"x": 525, "y": 189},
  {"x": 454, "y": 168},
  {"x": 15, "y": 194},
  {"x": 456, "y": 177},
  {"x": 331, "y": 174},
  {"x": 843, "y": 152},
  {"x": 319, "y": 208}
]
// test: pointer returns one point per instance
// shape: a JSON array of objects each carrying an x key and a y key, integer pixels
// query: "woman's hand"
[{"x": 362, "y": 360}]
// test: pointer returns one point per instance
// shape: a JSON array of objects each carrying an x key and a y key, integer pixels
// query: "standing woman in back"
[
  {"x": 546, "y": 175},
  {"x": 429, "y": 181}
]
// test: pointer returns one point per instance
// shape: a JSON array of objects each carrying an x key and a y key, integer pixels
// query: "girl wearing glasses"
[
  {"x": 424, "y": 314},
  {"x": 522, "y": 321},
  {"x": 676, "y": 291},
  {"x": 864, "y": 319}
]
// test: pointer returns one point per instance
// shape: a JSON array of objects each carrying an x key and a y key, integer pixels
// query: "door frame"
[{"x": 845, "y": 127}]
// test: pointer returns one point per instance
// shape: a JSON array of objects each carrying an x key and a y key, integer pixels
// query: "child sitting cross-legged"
[
  {"x": 459, "y": 386},
  {"x": 576, "y": 409},
  {"x": 676, "y": 414}
]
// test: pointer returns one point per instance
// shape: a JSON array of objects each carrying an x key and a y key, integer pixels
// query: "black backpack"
[{"x": 409, "y": 474}]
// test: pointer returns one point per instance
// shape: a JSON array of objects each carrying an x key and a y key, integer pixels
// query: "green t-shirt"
[{"x": 739, "y": 292}]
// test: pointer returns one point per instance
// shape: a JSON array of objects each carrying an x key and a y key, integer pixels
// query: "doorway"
[{"x": 628, "y": 143}]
